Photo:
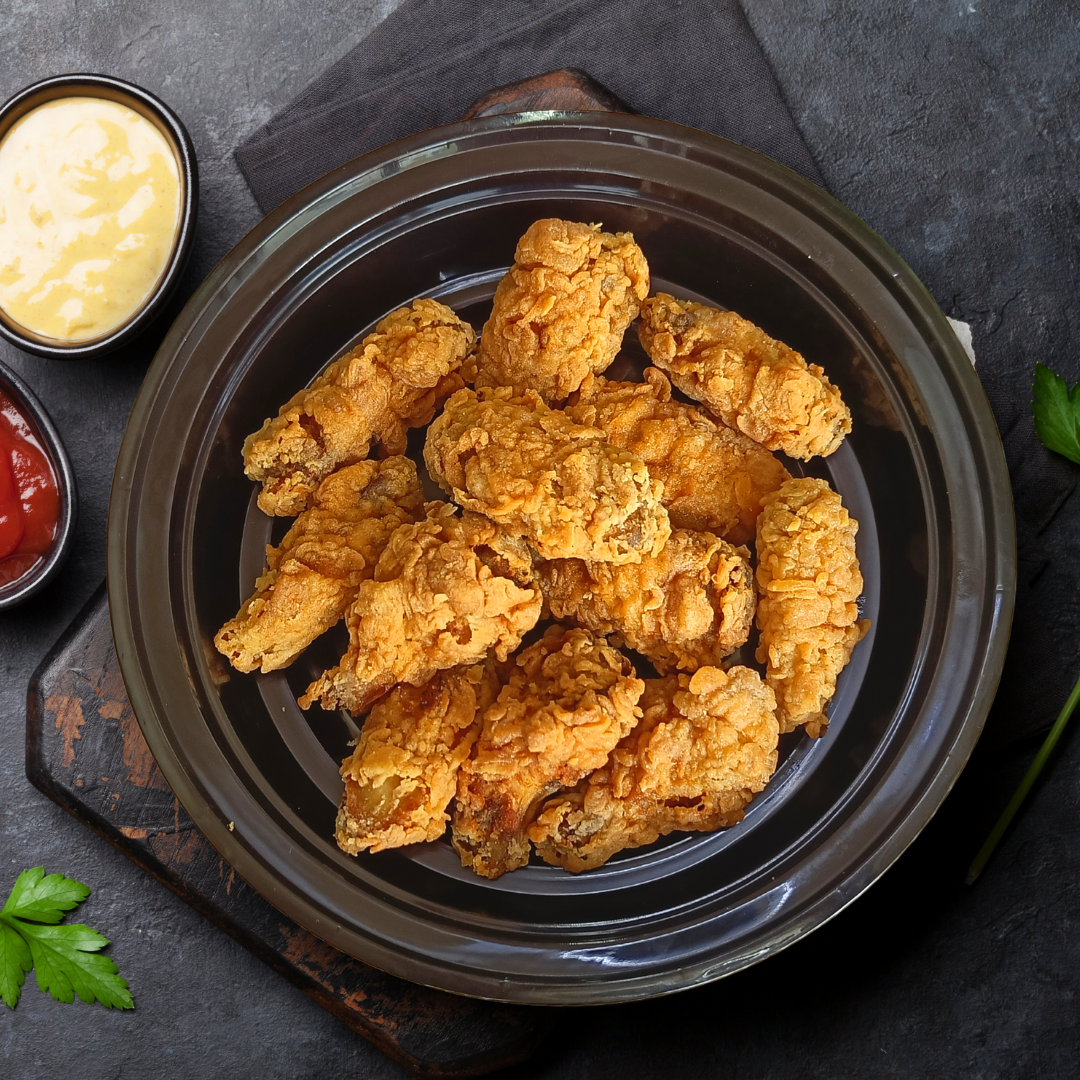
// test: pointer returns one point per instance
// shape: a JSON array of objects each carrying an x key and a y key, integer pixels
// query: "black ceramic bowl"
[
  {"x": 175, "y": 134},
  {"x": 47, "y": 437},
  {"x": 438, "y": 215}
]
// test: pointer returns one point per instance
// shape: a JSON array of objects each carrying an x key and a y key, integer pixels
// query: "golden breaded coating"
[
  {"x": 705, "y": 745},
  {"x": 753, "y": 382},
  {"x": 312, "y": 576},
  {"x": 561, "y": 310},
  {"x": 570, "y": 698},
  {"x": 506, "y": 555},
  {"x": 403, "y": 774},
  {"x": 714, "y": 478},
  {"x": 808, "y": 579},
  {"x": 689, "y": 606},
  {"x": 433, "y": 604},
  {"x": 392, "y": 381},
  {"x": 539, "y": 475}
]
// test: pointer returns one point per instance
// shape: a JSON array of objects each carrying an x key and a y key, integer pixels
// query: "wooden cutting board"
[{"x": 85, "y": 751}]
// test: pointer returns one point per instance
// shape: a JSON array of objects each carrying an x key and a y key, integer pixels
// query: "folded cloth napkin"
[{"x": 692, "y": 61}]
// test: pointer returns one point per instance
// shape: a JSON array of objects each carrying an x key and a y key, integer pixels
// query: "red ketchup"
[{"x": 29, "y": 497}]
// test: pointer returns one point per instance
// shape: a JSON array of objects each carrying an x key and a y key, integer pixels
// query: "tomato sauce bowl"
[{"x": 38, "y": 499}]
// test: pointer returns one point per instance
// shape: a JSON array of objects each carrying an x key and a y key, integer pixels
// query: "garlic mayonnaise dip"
[{"x": 89, "y": 207}]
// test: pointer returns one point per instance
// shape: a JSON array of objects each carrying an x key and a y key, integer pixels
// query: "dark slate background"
[{"x": 953, "y": 128}]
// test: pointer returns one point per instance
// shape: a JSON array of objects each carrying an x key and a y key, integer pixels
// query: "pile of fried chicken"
[{"x": 613, "y": 510}]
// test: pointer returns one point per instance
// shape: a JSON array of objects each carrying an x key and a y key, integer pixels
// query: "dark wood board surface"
[
  {"x": 568, "y": 89},
  {"x": 84, "y": 749}
]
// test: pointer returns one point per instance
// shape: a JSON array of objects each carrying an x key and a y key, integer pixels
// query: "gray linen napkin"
[{"x": 692, "y": 61}]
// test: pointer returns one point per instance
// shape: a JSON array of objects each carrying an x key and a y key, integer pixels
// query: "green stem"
[{"x": 1030, "y": 776}]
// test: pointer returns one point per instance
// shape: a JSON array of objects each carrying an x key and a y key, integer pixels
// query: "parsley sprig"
[
  {"x": 1056, "y": 412},
  {"x": 66, "y": 959}
]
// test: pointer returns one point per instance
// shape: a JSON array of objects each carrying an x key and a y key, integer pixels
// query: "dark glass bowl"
[
  {"x": 20, "y": 590},
  {"x": 438, "y": 215},
  {"x": 168, "y": 123}
]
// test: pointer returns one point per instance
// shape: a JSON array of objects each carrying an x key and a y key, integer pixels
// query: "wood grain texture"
[
  {"x": 566, "y": 90},
  {"x": 84, "y": 749}
]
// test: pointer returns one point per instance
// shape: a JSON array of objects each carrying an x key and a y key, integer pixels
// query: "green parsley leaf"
[
  {"x": 66, "y": 959},
  {"x": 65, "y": 965},
  {"x": 44, "y": 899},
  {"x": 15, "y": 962},
  {"x": 1056, "y": 410}
]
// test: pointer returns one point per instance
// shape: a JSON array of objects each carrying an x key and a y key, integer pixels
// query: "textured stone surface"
[{"x": 953, "y": 128}]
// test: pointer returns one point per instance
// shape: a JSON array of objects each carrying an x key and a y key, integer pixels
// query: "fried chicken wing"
[
  {"x": 809, "y": 581},
  {"x": 561, "y": 310},
  {"x": 753, "y": 382},
  {"x": 403, "y": 774},
  {"x": 392, "y": 381},
  {"x": 433, "y": 604},
  {"x": 714, "y": 477},
  {"x": 312, "y": 576},
  {"x": 704, "y": 746},
  {"x": 563, "y": 708},
  {"x": 539, "y": 475},
  {"x": 691, "y": 605}
]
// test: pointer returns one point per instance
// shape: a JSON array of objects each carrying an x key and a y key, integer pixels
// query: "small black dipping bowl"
[
  {"x": 166, "y": 121},
  {"x": 38, "y": 419}
]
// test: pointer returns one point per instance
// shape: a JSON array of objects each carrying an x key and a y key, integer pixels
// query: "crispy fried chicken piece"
[
  {"x": 714, "y": 478},
  {"x": 705, "y": 745},
  {"x": 392, "y": 381},
  {"x": 808, "y": 579},
  {"x": 312, "y": 576},
  {"x": 403, "y": 773},
  {"x": 691, "y": 605},
  {"x": 539, "y": 475},
  {"x": 565, "y": 705},
  {"x": 433, "y": 604},
  {"x": 753, "y": 382},
  {"x": 561, "y": 310}
]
